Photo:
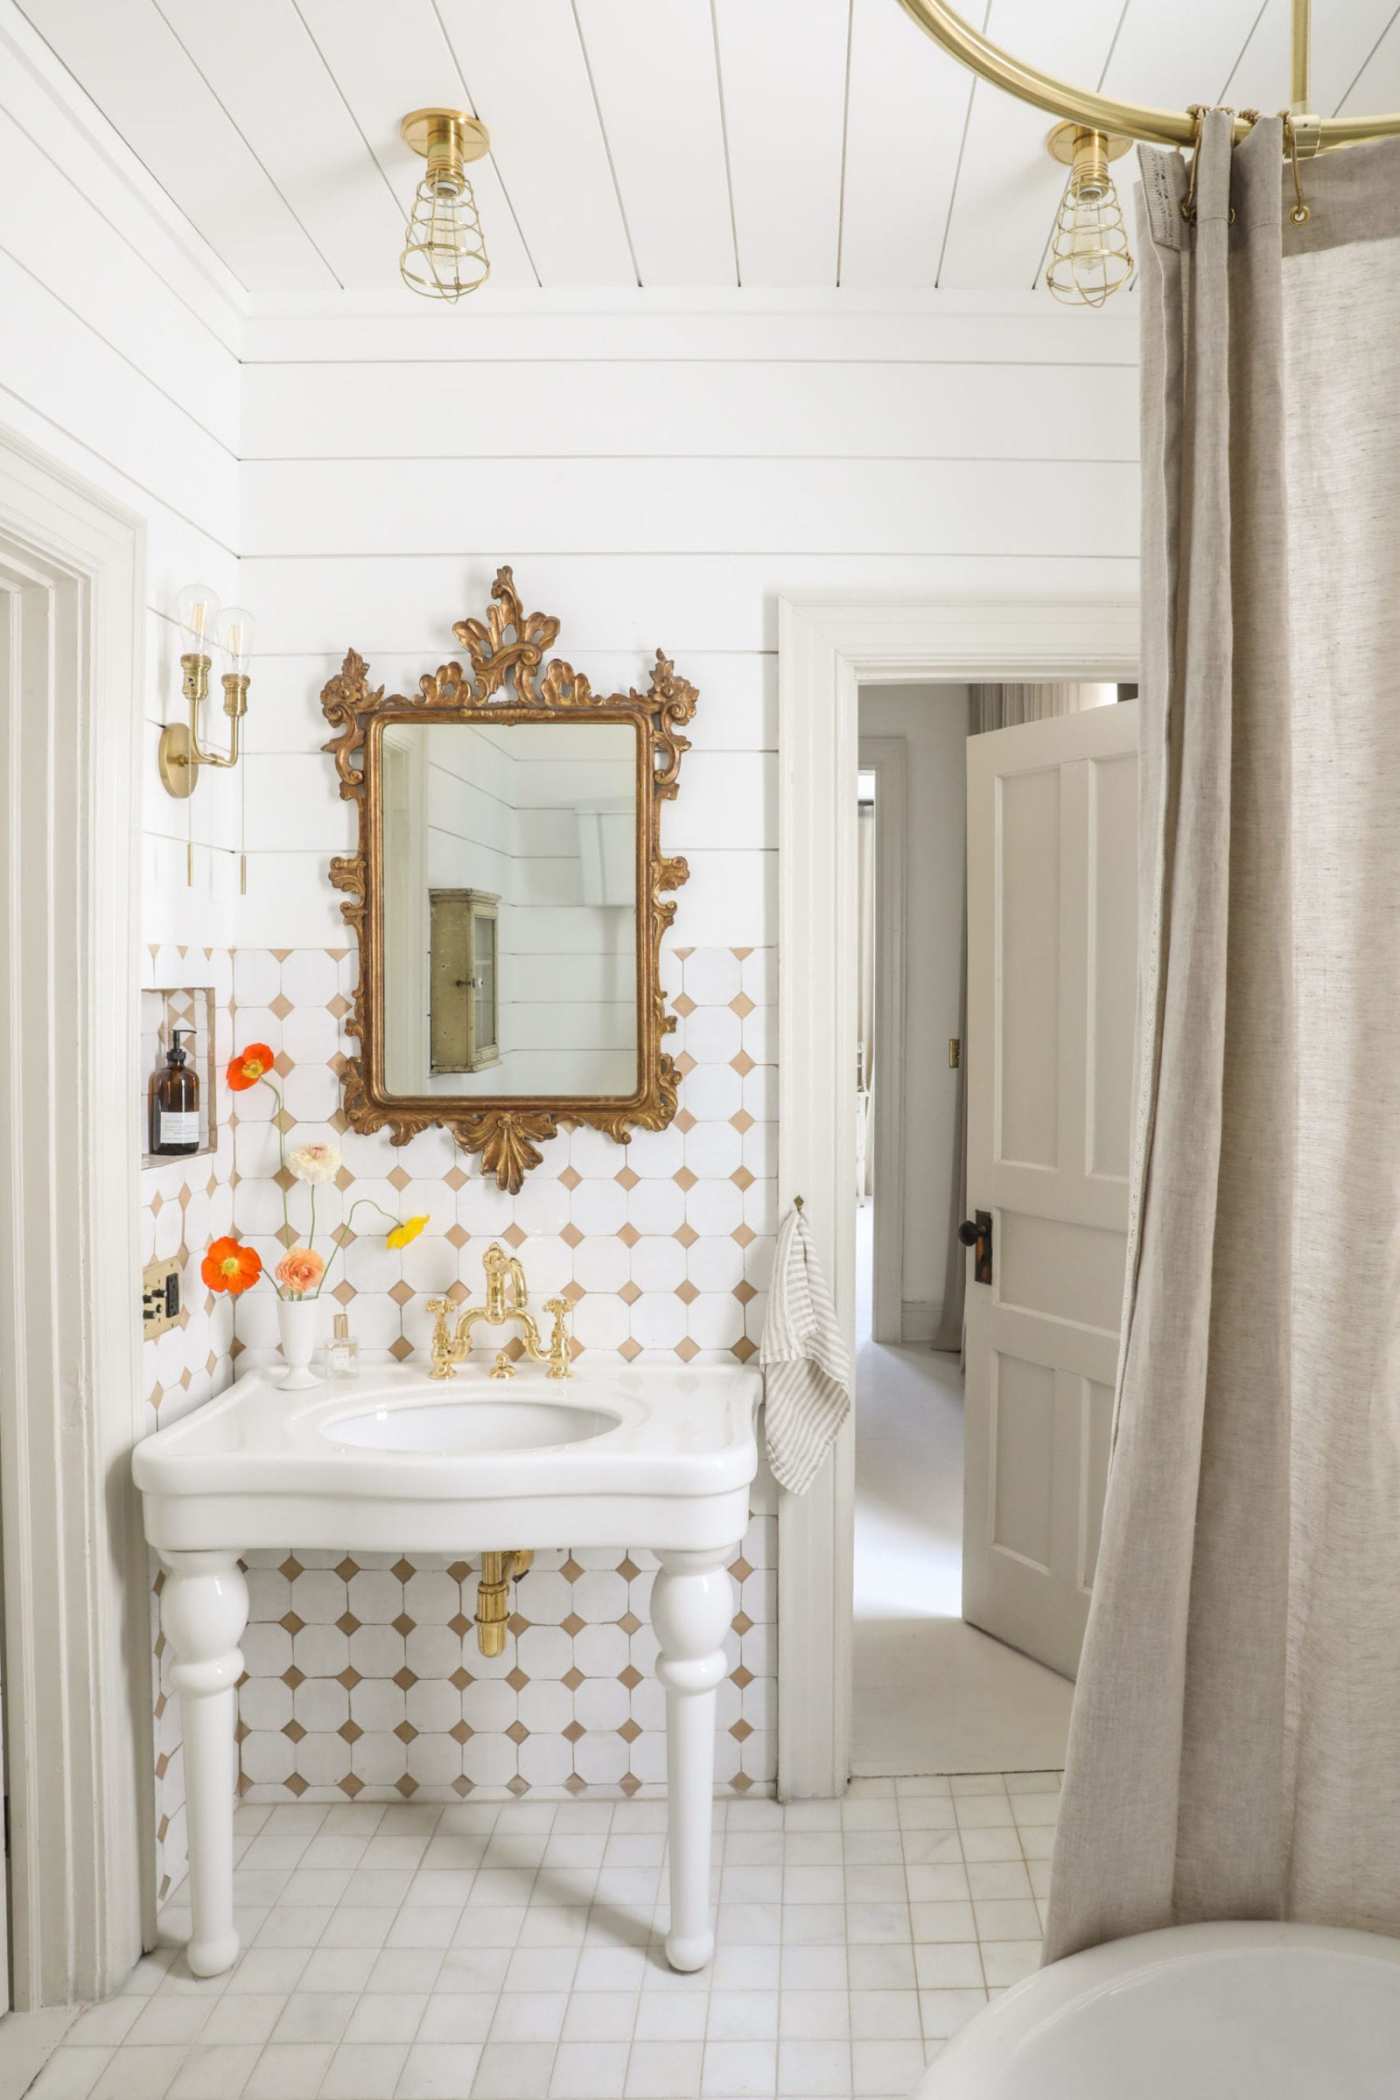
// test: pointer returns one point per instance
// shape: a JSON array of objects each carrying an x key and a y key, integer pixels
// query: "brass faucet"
[{"x": 505, "y": 1307}]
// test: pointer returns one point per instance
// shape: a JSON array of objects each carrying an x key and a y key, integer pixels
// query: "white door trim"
[
  {"x": 887, "y": 757},
  {"x": 76, "y": 1586},
  {"x": 827, "y": 647}
]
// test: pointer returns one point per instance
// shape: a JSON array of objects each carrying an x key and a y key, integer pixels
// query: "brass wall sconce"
[
  {"x": 230, "y": 629},
  {"x": 1089, "y": 254},
  {"x": 444, "y": 251}
]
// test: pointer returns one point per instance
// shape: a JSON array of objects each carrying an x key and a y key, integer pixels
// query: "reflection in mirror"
[{"x": 510, "y": 908}]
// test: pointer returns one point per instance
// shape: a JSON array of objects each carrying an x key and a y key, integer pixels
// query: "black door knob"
[{"x": 968, "y": 1233}]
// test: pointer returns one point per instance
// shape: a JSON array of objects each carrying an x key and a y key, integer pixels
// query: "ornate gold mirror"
[{"x": 507, "y": 893}]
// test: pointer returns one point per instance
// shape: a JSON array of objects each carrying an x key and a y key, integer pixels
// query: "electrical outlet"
[{"x": 160, "y": 1298}]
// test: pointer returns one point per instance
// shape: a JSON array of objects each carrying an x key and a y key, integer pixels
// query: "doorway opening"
[{"x": 934, "y": 1691}]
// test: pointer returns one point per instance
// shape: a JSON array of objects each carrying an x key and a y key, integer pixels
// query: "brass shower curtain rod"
[{"x": 1161, "y": 127}]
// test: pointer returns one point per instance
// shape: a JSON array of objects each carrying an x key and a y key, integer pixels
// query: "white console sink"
[{"x": 645, "y": 1455}]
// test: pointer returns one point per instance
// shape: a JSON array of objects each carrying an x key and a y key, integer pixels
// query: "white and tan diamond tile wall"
[
  {"x": 363, "y": 1677},
  {"x": 665, "y": 1244},
  {"x": 183, "y": 1205}
]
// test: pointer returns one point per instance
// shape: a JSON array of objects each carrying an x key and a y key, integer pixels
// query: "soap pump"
[{"x": 175, "y": 1102}]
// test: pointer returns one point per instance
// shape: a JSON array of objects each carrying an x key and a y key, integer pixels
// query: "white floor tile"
[{"x": 805, "y": 2000}]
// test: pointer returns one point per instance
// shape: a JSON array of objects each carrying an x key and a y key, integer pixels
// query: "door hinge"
[{"x": 954, "y": 1052}]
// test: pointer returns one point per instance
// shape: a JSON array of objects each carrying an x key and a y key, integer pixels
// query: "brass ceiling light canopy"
[
  {"x": 444, "y": 252},
  {"x": 1089, "y": 254}
]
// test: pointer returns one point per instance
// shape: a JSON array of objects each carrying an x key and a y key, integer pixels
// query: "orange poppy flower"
[
  {"x": 230, "y": 1266},
  {"x": 249, "y": 1066}
]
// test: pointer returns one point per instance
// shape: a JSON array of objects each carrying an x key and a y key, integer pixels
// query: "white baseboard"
[{"x": 920, "y": 1320}]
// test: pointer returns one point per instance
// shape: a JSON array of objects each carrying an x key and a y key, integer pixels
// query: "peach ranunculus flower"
[
  {"x": 300, "y": 1271},
  {"x": 315, "y": 1163}
]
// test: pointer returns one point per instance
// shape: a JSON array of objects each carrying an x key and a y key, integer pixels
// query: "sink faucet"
[{"x": 505, "y": 1307}]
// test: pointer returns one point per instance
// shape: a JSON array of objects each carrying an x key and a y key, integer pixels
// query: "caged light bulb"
[
  {"x": 1089, "y": 254},
  {"x": 444, "y": 252}
]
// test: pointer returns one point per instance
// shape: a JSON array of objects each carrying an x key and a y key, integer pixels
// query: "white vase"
[{"x": 298, "y": 1330}]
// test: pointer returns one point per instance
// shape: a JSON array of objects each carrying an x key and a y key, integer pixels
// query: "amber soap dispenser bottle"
[{"x": 175, "y": 1102}]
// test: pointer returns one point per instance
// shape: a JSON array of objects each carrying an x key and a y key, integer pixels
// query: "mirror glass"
[{"x": 510, "y": 908}]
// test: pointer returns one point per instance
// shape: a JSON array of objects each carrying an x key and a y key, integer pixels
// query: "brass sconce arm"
[{"x": 181, "y": 754}]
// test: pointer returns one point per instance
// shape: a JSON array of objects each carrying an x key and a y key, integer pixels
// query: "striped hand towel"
[{"x": 807, "y": 1381}]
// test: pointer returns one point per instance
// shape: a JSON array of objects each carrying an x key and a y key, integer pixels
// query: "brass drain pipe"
[{"x": 498, "y": 1572}]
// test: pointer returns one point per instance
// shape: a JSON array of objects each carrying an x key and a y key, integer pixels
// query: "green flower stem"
[{"x": 360, "y": 1203}]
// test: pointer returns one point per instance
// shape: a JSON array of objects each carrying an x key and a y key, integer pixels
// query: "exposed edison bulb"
[
  {"x": 236, "y": 636},
  {"x": 1089, "y": 254},
  {"x": 444, "y": 252},
  {"x": 196, "y": 610}
]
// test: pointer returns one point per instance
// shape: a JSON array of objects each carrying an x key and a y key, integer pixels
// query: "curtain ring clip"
[
  {"x": 1197, "y": 110},
  {"x": 1300, "y": 214}
]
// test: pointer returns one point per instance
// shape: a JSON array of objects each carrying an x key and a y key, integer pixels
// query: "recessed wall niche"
[{"x": 164, "y": 1008}]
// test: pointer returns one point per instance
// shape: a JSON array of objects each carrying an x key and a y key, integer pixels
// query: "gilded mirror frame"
[{"x": 509, "y": 681}]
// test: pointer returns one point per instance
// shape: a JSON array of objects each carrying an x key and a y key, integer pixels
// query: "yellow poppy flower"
[{"x": 409, "y": 1230}]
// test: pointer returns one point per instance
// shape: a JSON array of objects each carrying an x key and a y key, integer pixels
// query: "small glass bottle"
[
  {"x": 342, "y": 1351},
  {"x": 175, "y": 1102}
]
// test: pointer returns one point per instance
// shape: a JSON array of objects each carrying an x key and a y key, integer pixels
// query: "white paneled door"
[{"x": 1052, "y": 948}]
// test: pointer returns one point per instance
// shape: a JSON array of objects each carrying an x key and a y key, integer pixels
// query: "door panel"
[{"x": 1052, "y": 944}]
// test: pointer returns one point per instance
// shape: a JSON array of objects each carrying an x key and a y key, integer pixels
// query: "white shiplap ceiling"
[{"x": 701, "y": 143}]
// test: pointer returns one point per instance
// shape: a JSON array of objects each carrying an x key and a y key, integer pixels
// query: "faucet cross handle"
[
  {"x": 559, "y": 1356},
  {"x": 444, "y": 1351}
]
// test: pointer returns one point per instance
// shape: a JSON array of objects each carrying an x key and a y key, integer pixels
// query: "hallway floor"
[
  {"x": 512, "y": 1951},
  {"x": 931, "y": 1693}
]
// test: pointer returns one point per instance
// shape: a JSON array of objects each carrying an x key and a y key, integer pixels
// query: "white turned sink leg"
[
  {"x": 203, "y": 1610},
  {"x": 692, "y": 1602}
]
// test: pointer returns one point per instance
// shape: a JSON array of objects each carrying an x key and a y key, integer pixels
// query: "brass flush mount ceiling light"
[
  {"x": 444, "y": 254},
  {"x": 1089, "y": 254}
]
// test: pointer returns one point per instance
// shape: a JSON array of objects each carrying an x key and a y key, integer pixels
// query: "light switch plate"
[{"x": 160, "y": 1298}]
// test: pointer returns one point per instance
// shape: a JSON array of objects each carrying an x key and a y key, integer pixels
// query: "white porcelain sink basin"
[
  {"x": 470, "y": 1425},
  {"x": 616, "y": 1455}
]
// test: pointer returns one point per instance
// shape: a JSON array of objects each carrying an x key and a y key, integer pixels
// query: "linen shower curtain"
[{"x": 1235, "y": 1745}]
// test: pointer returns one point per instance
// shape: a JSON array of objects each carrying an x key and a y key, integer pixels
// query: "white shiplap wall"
[
  {"x": 656, "y": 475},
  {"x": 119, "y": 358}
]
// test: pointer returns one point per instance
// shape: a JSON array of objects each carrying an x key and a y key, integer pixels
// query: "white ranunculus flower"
[{"x": 314, "y": 1162}]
